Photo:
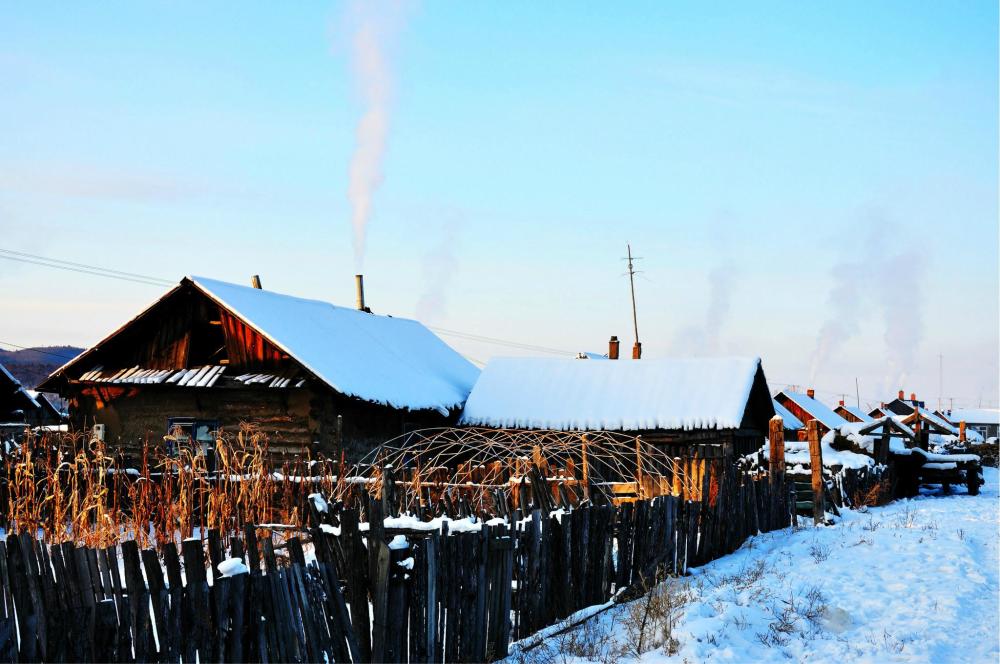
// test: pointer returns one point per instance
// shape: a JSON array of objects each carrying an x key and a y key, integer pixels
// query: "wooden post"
[
  {"x": 882, "y": 451},
  {"x": 776, "y": 462},
  {"x": 678, "y": 490},
  {"x": 918, "y": 434},
  {"x": 816, "y": 465},
  {"x": 586, "y": 466},
  {"x": 638, "y": 468}
]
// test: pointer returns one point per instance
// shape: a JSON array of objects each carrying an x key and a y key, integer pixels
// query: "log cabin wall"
[
  {"x": 294, "y": 420},
  {"x": 134, "y": 414}
]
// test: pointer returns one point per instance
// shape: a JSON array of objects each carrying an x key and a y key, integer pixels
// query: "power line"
[
  {"x": 502, "y": 342},
  {"x": 134, "y": 277},
  {"x": 81, "y": 268},
  {"x": 37, "y": 350}
]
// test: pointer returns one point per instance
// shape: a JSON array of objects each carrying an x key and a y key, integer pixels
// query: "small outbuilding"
[
  {"x": 719, "y": 402},
  {"x": 21, "y": 407},
  {"x": 806, "y": 407},
  {"x": 852, "y": 413},
  {"x": 985, "y": 421}
]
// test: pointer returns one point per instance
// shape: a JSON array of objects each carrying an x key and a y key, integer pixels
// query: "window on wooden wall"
[{"x": 197, "y": 435}]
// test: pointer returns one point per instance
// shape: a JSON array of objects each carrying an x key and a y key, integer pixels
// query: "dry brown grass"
[
  {"x": 65, "y": 487},
  {"x": 879, "y": 493}
]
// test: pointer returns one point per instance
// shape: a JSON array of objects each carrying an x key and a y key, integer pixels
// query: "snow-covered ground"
[{"x": 914, "y": 581}]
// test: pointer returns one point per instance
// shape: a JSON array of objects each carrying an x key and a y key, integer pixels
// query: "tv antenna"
[{"x": 637, "y": 348}]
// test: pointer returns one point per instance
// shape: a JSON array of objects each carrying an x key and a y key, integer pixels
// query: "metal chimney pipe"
[
  {"x": 255, "y": 281},
  {"x": 359, "y": 285}
]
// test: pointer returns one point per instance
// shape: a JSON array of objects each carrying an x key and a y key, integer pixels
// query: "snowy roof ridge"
[
  {"x": 18, "y": 387},
  {"x": 858, "y": 413},
  {"x": 817, "y": 409},
  {"x": 974, "y": 415},
  {"x": 383, "y": 359},
  {"x": 567, "y": 394}
]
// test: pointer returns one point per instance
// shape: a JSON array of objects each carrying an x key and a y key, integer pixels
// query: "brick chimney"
[
  {"x": 913, "y": 396},
  {"x": 636, "y": 351},
  {"x": 902, "y": 395},
  {"x": 811, "y": 393},
  {"x": 255, "y": 281},
  {"x": 359, "y": 288},
  {"x": 841, "y": 403},
  {"x": 613, "y": 345}
]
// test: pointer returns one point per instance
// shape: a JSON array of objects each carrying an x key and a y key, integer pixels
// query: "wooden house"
[
  {"x": 903, "y": 406},
  {"x": 806, "y": 407},
  {"x": 22, "y": 408},
  {"x": 718, "y": 403},
  {"x": 208, "y": 356},
  {"x": 984, "y": 421},
  {"x": 852, "y": 413},
  {"x": 879, "y": 412}
]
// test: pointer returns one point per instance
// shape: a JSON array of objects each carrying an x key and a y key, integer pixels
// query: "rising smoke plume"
[
  {"x": 373, "y": 27},
  {"x": 439, "y": 265},
  {"x": 705, "y": 338},
  {"x": 883, "y": 275}
]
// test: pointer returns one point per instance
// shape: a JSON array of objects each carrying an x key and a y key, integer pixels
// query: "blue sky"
[{"x": 812, "y": 183}]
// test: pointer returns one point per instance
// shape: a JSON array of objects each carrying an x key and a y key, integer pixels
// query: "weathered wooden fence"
[{"x": 372, "y": 593}]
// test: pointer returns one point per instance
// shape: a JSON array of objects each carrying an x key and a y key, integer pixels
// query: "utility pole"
[{"x": 637, "y": 348}]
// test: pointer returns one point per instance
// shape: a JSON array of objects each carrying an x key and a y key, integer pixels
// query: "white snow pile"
[
  {"x": 797, "y": 455},
  {"x": 232, "y": 567},
  {"x": 319, "y": 502},
  {"x": 851, "y": 431},
  {"x": 567, "y": 394},
  {"x": 914, "y": 581},
  {"x": 383, "y": 359}
]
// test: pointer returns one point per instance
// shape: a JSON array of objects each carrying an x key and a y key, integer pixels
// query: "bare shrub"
[
  {"x": 797, "y": 615},
  {"x": 879, "y": 493},
  {"x": 819, "y": 552},
  {"x": 650, "y": 620}
]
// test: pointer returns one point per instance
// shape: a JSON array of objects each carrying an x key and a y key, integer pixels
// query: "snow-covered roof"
[
  {"x": 935, "y": 419},
  {"x": 817, "y": 409},
  {"x": 858, "y": 413},
  {"x": 567, "y": 394},
  {"x": 790, "y": 421},
  {"x": 975, "y": 415},
  {"x": 383, "y": 359},
  {"x": 16, "y": 386},
  {"x": 395, "y": 361}
]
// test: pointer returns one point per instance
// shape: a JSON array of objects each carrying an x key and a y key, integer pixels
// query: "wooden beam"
[
  {"x": 776, "y": 462},
  {"x": 816, "y": 466}
]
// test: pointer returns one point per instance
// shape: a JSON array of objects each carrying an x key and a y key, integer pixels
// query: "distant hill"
[{"x": 32, "y": 365}]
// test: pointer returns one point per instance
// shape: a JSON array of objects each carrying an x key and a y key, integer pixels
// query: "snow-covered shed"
[
  {"x": 211, "y": 354},
  {"x": 806, "y": 407},
  {"x": 20, "y": 407},
  {"x": 703, "y": 400},
  {"x": 985, "y": 421},
  {"x": 852, "y": 413}
]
